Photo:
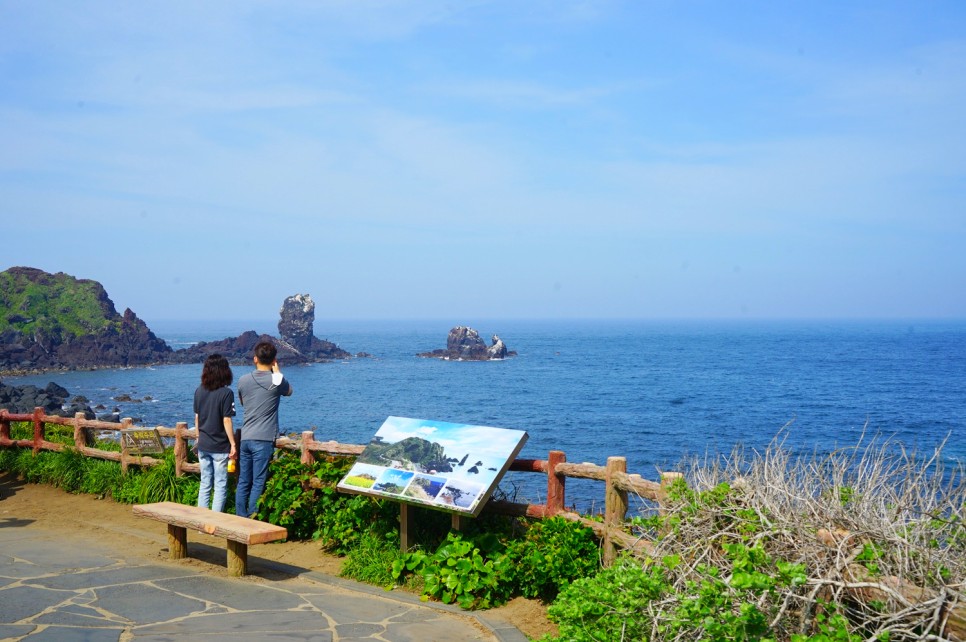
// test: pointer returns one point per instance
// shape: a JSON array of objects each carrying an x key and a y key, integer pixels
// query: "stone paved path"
[{"x": 51, "y": 589}]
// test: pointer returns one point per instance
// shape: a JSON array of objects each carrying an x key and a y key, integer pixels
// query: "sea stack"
[{"x": 296, "y": 322}]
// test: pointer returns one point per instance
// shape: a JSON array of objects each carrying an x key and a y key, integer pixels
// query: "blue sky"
[{"x": 476, "y": 160}]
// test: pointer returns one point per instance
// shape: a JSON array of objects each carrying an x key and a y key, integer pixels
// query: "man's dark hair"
[
  {"x": 216, "y": 372},
  {"x": 265, "y": 352}
]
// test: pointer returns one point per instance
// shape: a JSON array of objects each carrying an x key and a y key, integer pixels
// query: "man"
[{"x": 259, "y": 393}]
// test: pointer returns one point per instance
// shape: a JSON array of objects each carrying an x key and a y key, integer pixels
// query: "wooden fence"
[{"x": 618, "y": 484}]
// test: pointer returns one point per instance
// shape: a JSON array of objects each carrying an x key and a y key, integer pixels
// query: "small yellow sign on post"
[{"x": 142, "y": 441}]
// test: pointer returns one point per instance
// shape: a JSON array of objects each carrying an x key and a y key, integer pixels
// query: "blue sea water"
[{"x": 651, "y": 391}]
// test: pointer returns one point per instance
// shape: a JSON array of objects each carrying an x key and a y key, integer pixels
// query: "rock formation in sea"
[
  {"x": 296, "y": 342},
  {"x": 55, "y": 321},
  {"x": 464, "y": 343}
]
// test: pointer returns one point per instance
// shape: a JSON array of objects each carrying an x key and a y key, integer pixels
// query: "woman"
[{"x": 214, "y": 408}]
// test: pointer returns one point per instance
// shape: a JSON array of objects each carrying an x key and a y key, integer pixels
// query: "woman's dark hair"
[{"x": 216, "y": 372}]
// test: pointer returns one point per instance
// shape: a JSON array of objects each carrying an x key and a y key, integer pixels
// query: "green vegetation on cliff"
[
  {"x": 33, "y": 301},
  {"x": 53, "y": 321}
]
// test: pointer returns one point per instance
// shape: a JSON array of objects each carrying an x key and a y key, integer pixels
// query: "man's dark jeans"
[{"x": 253, "y": 460}]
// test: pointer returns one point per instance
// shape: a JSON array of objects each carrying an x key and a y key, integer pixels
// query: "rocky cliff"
[{"x": 55, "y": 321}]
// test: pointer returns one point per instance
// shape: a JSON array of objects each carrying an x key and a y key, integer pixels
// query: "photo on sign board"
[
  {"x": 363, "y": 475},
  {"x": 459, "y": 493},
  {"x": 392, "y": 482},
  {"x": 425, "y": 487}
]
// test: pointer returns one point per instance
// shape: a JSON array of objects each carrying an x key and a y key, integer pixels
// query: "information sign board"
[{"x": 452, "y": 467}]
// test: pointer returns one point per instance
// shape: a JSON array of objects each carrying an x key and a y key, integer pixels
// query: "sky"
[{"x": 490, "y": 160}]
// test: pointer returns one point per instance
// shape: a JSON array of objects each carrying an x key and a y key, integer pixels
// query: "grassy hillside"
[{"x": 55, "y": 304}]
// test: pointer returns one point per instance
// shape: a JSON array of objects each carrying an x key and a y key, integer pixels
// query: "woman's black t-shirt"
[{"x": 212, "y": 406}]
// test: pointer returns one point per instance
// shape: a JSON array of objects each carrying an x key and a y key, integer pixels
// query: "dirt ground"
[{"x": 87, "y": 518}]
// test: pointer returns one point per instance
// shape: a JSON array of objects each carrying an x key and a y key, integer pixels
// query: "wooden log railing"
[{"x": 618, "y": 483}]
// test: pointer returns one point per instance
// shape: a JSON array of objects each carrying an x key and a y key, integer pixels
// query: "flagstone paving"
[{"x": 54, "y": 589}]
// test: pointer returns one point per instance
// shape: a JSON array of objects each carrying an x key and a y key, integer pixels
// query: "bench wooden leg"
[
  {"x": 177, "y": 541},
  {"x": 237, "y": 558}
]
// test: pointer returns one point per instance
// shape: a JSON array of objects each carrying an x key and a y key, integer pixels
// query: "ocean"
[{"x": 654, "y": 392}]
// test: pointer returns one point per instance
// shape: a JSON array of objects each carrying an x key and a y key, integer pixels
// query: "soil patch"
[{"x": 84, "y": 518}]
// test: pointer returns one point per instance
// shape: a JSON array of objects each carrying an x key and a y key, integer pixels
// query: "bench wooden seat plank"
[{"x": 239, "y": 531}]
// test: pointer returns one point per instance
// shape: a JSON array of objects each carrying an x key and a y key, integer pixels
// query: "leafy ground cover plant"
[
  {"x": 484, "y": 567},
  {"x": 467, "y": 571}
]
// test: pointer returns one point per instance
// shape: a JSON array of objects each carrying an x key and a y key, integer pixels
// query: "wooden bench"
[{"x": 239, "y": 531}]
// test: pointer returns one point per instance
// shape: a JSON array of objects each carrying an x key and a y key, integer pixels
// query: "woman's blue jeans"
[
  {"x": 253, "y": 459},
  {"x": 214, "y": 469}
]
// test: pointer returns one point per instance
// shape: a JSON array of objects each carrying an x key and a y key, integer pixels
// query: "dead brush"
[{"x": 879, "y": 531}]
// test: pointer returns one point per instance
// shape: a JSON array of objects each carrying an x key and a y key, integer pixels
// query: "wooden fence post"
[
  {"x": 615, "y": 506},
  {"x": 180, "y": 447},
  {"x": 80, "y": 438},
  {"x": 38, "y": 428},
  {"x": 308, "y": 437},
  {"x": 4, "y": 426},
  {"x": 125, "y": 457},
  {"x": 556, "y": 484}
]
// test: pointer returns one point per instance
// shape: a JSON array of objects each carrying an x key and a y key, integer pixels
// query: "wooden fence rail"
[{"x": 618, "y": 484}]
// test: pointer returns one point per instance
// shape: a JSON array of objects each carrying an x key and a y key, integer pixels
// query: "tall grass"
[{"x": 160, "y": 483}]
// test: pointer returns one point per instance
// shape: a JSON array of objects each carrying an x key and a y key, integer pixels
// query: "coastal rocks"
[
  {"x": 464, "y": 344},
  {"x": 52, "y": 398}
]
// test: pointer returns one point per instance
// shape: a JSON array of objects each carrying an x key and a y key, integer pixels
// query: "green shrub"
[
  {"x": 33, "y": 468},
  {"x": 554, "y": 553},
  {"x": 127, "y": 488},
  {"x": 305, "y": 501},
  {"x": 288, "y": 499}
]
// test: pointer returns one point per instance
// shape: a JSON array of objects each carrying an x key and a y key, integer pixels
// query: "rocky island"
[{"x": 465, "y": 344}]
